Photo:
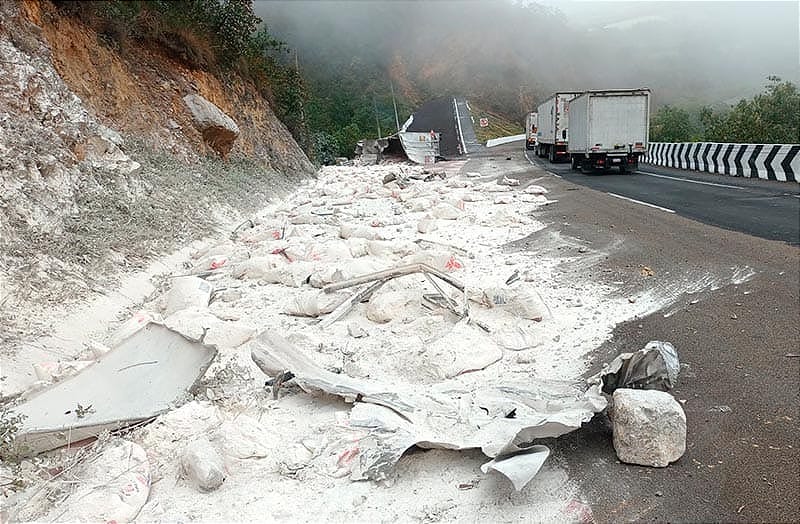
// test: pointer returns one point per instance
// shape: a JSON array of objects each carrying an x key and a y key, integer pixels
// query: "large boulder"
[
  {"x": 649, "y": 427},
  {"x": 218, "y": 129}
]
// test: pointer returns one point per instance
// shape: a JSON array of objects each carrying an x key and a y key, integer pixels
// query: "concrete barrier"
[
  {"x": 504, "y": 140},
  {"x": 767, "y": 161}
]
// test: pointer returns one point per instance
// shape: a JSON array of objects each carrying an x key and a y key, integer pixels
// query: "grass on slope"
[{"x": 499, "y": 126}]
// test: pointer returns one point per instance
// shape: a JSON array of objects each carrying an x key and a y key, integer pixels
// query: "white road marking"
[
  {"x": 533, "y": 164},
  {"x": 642, "y": 203},
  {"x": 460, "y": 133},
  {"x": 529, "y": 160},
  {"x": 690, "y": 181}
]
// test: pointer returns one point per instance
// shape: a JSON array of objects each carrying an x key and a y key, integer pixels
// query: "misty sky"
[{"x": 687, "y": 52}]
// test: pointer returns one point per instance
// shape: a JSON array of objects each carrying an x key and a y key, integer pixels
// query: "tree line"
[{"x": 770, "y": 117}]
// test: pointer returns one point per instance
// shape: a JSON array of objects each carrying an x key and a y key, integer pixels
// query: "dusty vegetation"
[
  {"x": 118, "y": 229},
  {"x": 81, "y": 205},
  {"x": 499, "y": 125}
]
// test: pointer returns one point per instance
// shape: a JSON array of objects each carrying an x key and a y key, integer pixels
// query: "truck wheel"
[
  {"x": 586, "y": 167},
  {"x": 622, "y": 169},
  {"x": 552, "y": 155},
  {"x": 573, "y": 163}
]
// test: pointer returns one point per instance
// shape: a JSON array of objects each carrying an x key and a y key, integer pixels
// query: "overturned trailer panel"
[
  {"x": 503, "y": 419},
  {"x": 421, "y": 148},
  {"x": 143, "y": 376}
]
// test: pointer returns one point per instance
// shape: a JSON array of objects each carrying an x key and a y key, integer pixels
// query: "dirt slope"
[{"x": 101, "y": 166}]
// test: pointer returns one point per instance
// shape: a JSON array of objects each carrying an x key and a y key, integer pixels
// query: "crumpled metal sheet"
[
  {"x": 520, "y": 468},
  {"x": 138, "y": 379},
  {"x": 502, "y": 419},
  {"x": 655, "y": 366},
  {"x": 421, "y": 148}
]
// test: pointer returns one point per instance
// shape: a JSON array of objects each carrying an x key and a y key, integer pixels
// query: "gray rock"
[
  {"x": 649, "y": 427},
  {"x": 203, "y": 465},
  {"x": 218, "y": 129}
]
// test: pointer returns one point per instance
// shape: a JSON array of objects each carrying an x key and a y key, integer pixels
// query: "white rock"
[
  {"x": 203, "y": 465},
  {"x": 649, "y": 427},
  {"x": 244, "y": 438},
  {"x": 218, "y": 129},
  {"x": 187, "y": 292}
]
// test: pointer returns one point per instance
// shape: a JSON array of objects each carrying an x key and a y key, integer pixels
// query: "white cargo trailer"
[
  {"x": 609, "y": 128},
  {"x": 531, "y": 121},
  {"x": 553, "y": 133}
]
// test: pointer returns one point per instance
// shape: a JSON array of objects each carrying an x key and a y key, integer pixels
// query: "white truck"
[
  {"x": 553, "y": 132},
  {"x": 609, "y": 128},
  {"x": 531, "y": 123}
]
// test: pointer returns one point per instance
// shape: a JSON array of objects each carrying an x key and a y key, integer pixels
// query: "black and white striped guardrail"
[{"x": 768, "y": 161}]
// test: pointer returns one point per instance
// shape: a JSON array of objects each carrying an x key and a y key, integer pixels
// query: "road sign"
[{"x": 484, "y": 122}]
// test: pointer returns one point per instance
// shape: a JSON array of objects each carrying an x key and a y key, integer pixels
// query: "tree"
[
  {"x": 772, "y": 117},
  {"x": 672, "y": 124}
]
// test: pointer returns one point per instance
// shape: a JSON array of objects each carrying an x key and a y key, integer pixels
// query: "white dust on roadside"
[{"x": 278, "y": 451}]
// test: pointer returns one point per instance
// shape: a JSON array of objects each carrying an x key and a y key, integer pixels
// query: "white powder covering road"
[{"x": 283, "y": 457}]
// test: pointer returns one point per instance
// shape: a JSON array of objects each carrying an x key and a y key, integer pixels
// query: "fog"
[{"x": 511, "y": 55}]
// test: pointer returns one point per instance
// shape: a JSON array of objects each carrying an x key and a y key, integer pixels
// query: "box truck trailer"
[
  {"x": 531, "y": 121},
  {"x": 553, "y": 124},
  {"x": 609, "y": 128}
]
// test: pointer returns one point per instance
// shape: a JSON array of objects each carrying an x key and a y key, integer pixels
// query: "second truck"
[{"x": 553, "y": 130}]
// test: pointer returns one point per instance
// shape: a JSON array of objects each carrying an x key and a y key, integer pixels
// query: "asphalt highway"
[
  {"x": 737, "y": 341},
  {"x": 763, "y": 208}
]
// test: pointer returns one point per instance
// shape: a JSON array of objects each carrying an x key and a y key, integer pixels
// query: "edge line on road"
[
  {"x": 648, "y": 204},
  {"x": 458, "y": 121},
  {"x": 525, "y": 154},
  {"x": 688, "y": 180}
]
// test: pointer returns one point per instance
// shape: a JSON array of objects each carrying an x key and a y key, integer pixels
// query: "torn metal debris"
[{"x": 138, "y": 379}]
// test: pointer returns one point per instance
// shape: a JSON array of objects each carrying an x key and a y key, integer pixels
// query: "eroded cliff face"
[
  {"x": 140, "y": 91},
  {"x": 94, "y": 141}
]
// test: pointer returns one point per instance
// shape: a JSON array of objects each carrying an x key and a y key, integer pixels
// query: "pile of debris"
[{"x": 386, "y": 287}]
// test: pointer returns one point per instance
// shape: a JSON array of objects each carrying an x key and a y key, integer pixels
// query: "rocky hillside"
[{"x": 109, "y": 157}]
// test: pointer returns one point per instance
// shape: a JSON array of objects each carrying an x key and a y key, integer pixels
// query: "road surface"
[
  {"x": 438, "y": 115},
  {"x": 763, "y": 208},
  {"x": 738, "y": 342},
  {"x": 470, "y": 143}
]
